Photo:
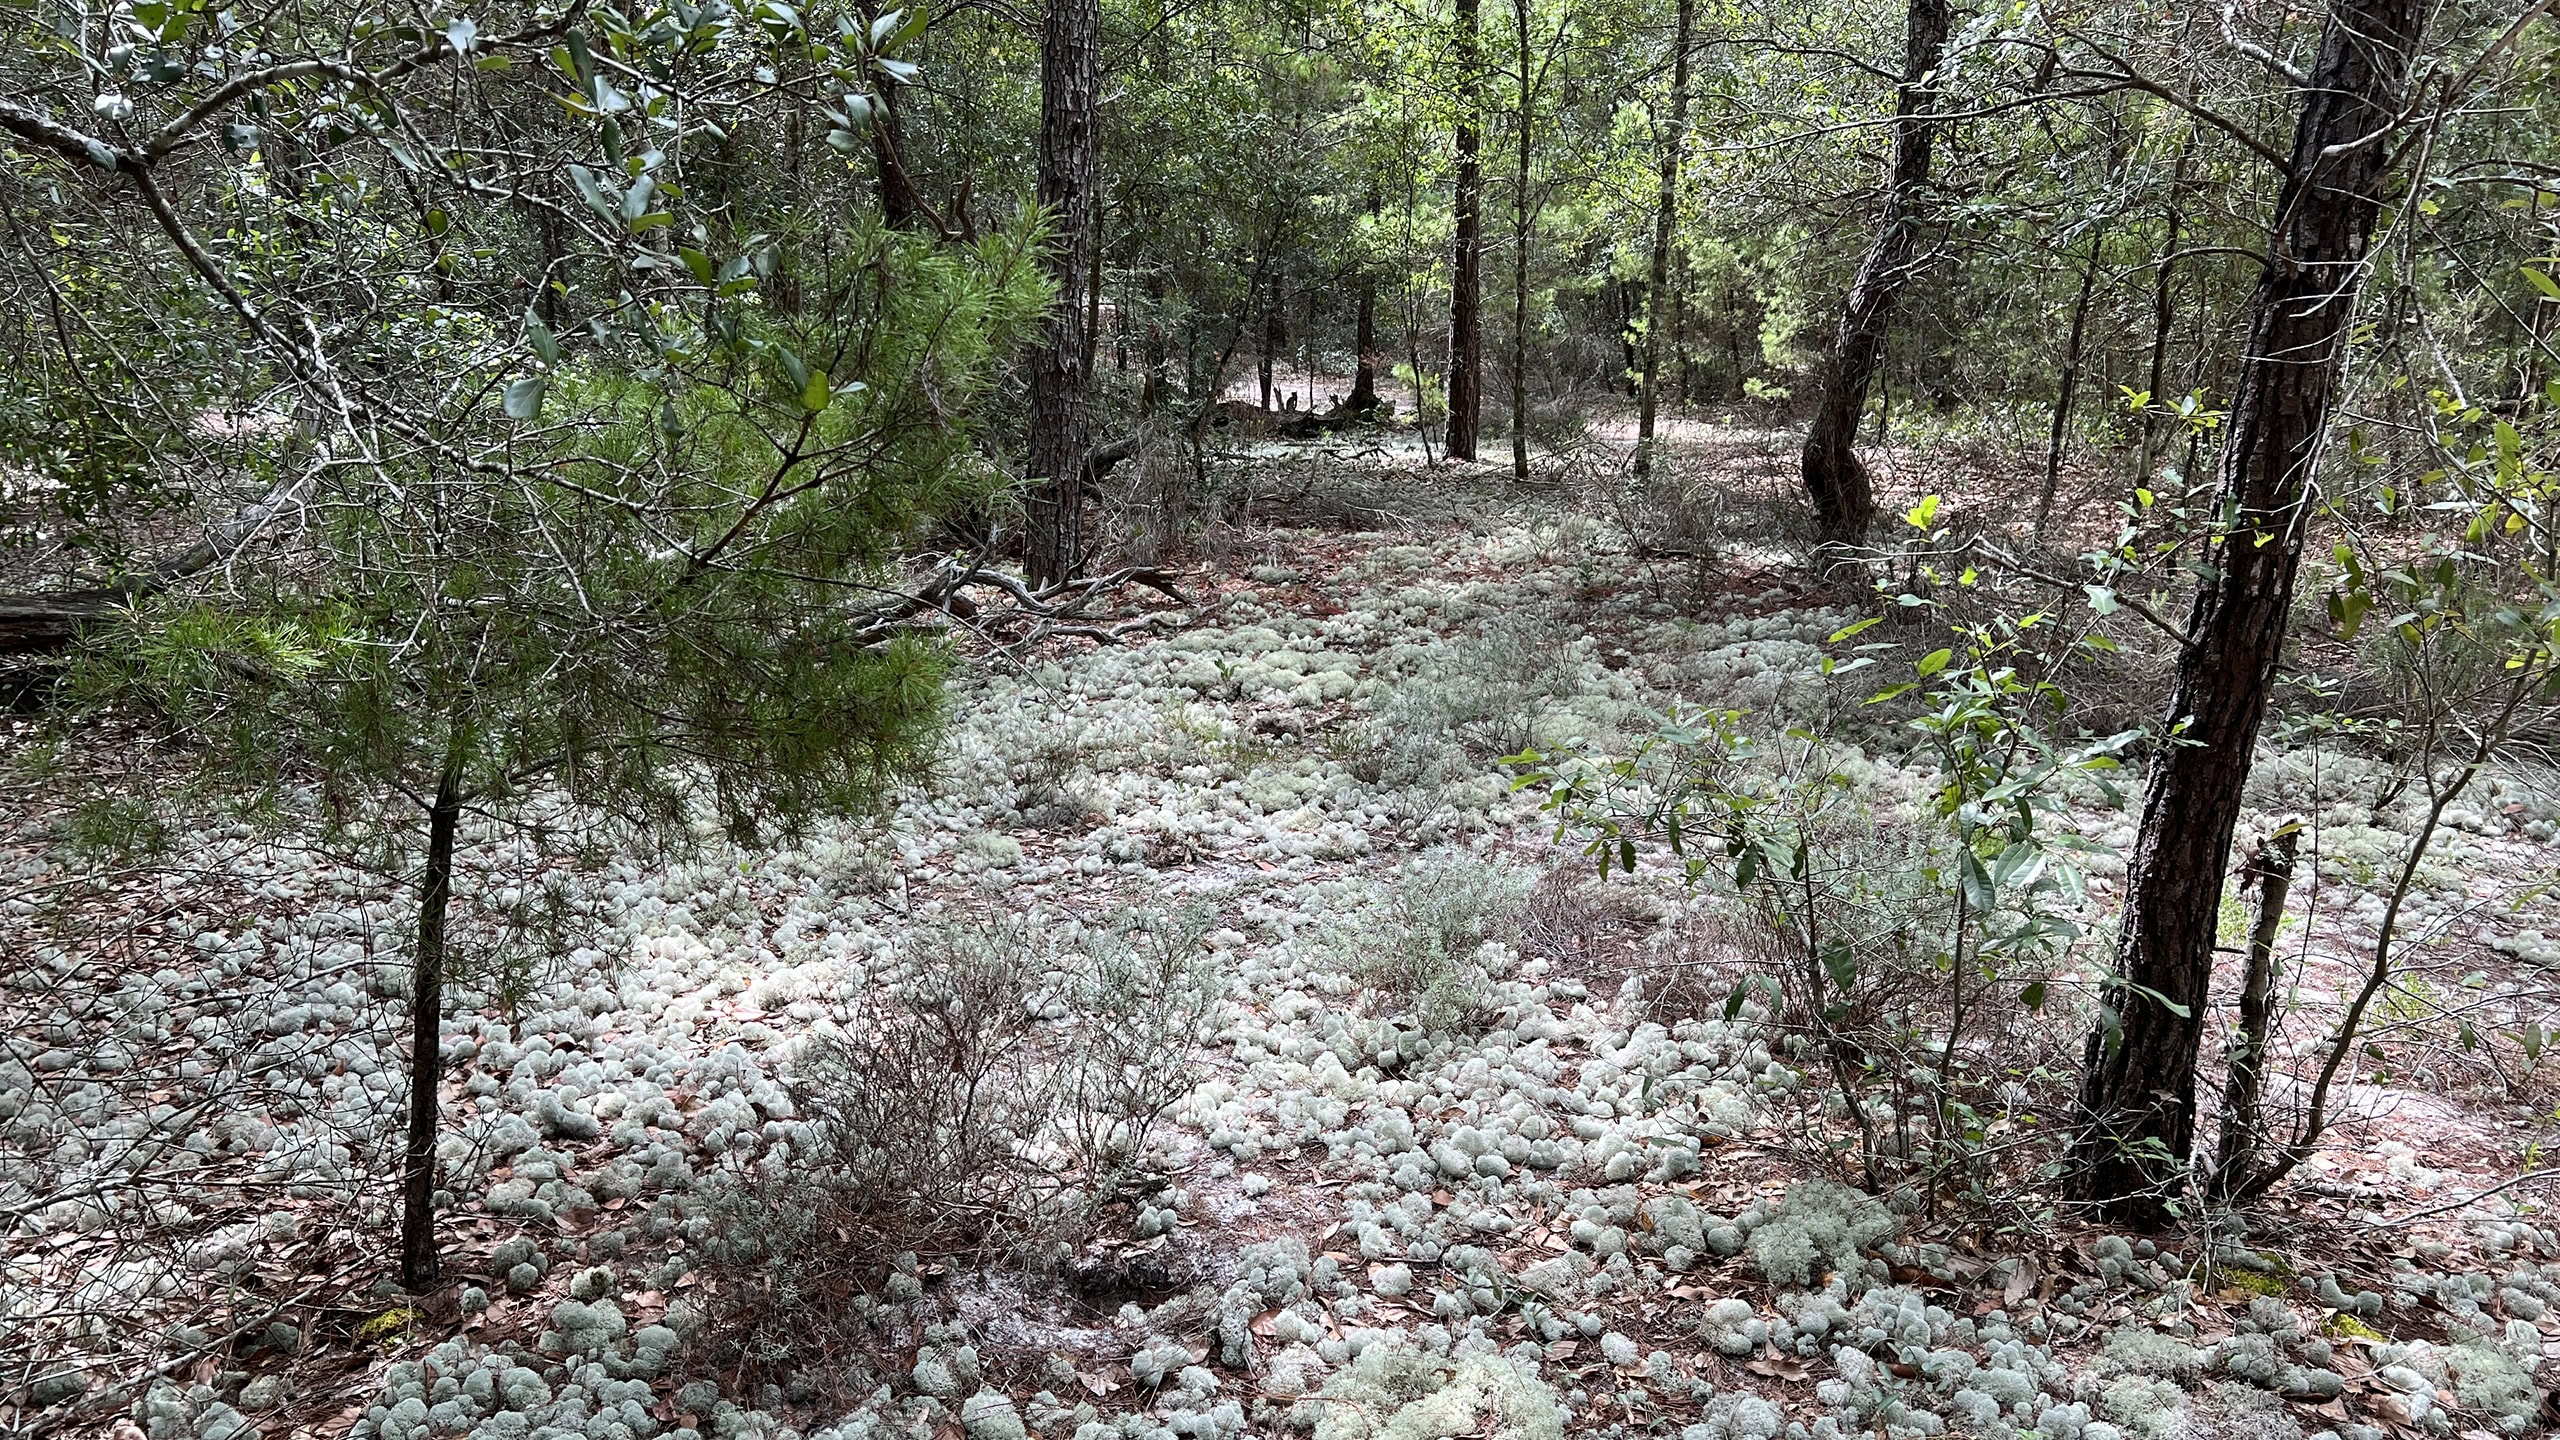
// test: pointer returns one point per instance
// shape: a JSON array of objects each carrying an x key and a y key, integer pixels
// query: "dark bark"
[
  {"x": 1069, "y": 49},
  {"x": 1364, "y": 366},
  {"x": 2236, "y": 1154},
  {"x": 1843, "y": 497},
  {"x": 1151, "y": 391},
  {"x": 1520, "y": 254},
  {"x": 2136, "y": 1117},
  {"x": 901, "y": 204},
  {"x": 1275, "y": 337},
  {"x": 426, "y": 1039},
  {"x": 2070, "y": 383},
  {"x": 1665, "y": 216},
  {"x": 1466, "y": 302},
  {"x": 2163, "y": 310},
  {"x": 34, "y": 624}
]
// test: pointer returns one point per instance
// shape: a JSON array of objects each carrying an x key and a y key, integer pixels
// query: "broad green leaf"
[
  {"x": 524, "y": 397},
  {"x": 1933, "y": 662},
  {"x": 593, "y": 192},
  {"x": 1979, "y": 892},
  {"x": 1919, "y": 516}
]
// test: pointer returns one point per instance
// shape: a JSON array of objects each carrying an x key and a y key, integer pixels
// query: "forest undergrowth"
[{"x": 1220, "y": 1040}]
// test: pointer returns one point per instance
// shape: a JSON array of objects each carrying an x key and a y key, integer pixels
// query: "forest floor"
[{"x": 1475, "y": 1145}]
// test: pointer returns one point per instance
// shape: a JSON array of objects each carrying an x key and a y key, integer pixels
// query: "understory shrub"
[
  {"x": 984, "y": 1105},
  {"x": 1448, "y": 919}
]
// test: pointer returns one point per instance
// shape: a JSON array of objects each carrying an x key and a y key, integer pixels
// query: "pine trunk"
[
  {"x": 418, "y": 1265},
  {"x": 1665, "y": 216},
  {"x": 2137, "y": 1103},
  {"x": 1466, "y": 301},
  {"x": 1843, "y": 497},
  {"x": 1070, "y": 44},
  {"x": 1520, "y": 256}
]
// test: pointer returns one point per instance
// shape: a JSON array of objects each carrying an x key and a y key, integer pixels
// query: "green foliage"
[
  {"x": 1988, "y": 898},
  {"x": 650, "y": 604}
]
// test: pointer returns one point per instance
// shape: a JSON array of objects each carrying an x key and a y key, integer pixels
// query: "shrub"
[{"x": 1441, "y": 912}]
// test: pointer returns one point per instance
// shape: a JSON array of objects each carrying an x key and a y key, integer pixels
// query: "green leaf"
[
  {"x": 540, "y": 337},
  {"x": 1841, "y": 963},
  {"x": 697, "y": 262},
  {"x": 2033, "y": 996},
  {"x": 1933, "y": 662},
  {"x": 593, "y": 192},
  {"x": 524, "y": 397},
  {"x": 1858, "y": 628},
  {"x": 1979, "y": 892},
  {"x": 2542, "y": 281},
  {"x": 1919, "y": 516},
  {"x": 814, "y": 396}
]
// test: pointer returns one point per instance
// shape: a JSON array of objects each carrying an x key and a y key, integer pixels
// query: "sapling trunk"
[
  {"x": 2529, "y": 676},
  {"x": 426, "y": 1039},
  {"x": 2069, "y": 387},
  {"x": 2236, "y": 1153}
]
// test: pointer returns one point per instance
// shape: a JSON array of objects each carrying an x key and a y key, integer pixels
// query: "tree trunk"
[
  {"x": 1843, "y": 497},
  {"x": 1069, "y": 46},
  {"x": 1520, "y": 255},
  {"x": 1364, "y": 366},
  {"x": 1274, "y": 337},
  {"x": 2236, "y": 1154},
  {"x": 2163, "y": 311},
  {"x": 1151, "y": 391},
  {"x": 900, "y": 203},
  {"x": 2137, "y": 1102},
  {"x": 1665, "y": 216},
  {"x": 1093, "y": 301},
  {"x": 2070, "y": 383},
  {"x": 1466, "y": 299},
  {"x": 426, "y": 1032}
]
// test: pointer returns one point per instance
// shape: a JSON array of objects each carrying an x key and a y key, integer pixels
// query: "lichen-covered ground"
[{"x": 1465, "y": 1150}]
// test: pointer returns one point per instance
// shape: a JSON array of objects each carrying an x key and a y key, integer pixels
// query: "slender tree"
[
  {"x": 2067, "y": 388},
  {"x": 1466, "y": 297},
  {"x": 1666, "y": 212},
  {"x": 1070, "y": 48},
  {"x": 2163, "y": 307},
  {"x": 2137, "y": 1101},
  {"x": 1843, "y": 497}
]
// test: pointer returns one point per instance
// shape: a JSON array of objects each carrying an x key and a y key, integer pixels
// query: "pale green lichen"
[
  {"x": 1820, "y": 1225},
  {"x": 2488, "y": 1379},
  {"x": 1394, "y": 1393}
]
